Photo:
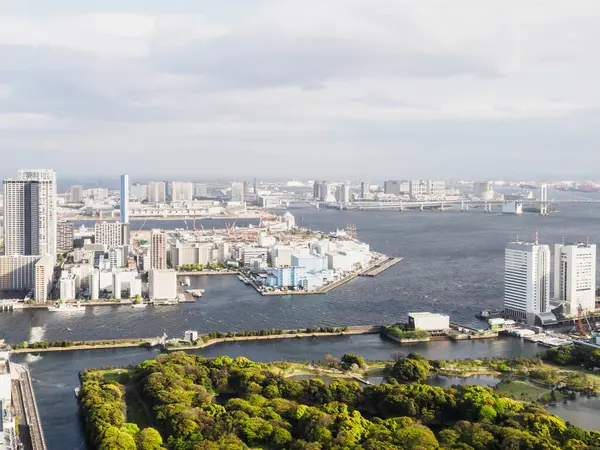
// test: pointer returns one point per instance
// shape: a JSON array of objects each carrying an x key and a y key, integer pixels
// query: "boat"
[
  {"x": 483, "y": 315},
  {"x": 66, "y": 307},
  {"x": 76, "y": 391},
  {"x": 139, "y": 305}
]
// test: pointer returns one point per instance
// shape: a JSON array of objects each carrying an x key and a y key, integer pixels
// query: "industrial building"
[
  {"x": 526, "y": 280},
  {"x": 428, "y": 321}
]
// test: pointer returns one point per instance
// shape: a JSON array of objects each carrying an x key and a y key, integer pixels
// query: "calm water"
[
  {"x": 55, "y": 374},
  {"x": 453, "y": 264}
]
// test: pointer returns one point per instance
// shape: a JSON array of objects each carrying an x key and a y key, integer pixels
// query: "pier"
[
  {"x": 26, "y": 409},
  {"x": 380, "y": 267}
]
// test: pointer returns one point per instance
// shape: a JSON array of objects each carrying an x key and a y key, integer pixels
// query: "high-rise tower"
[
  {"x": 124, "y": 198},
  {"x": 30, "y": 213},
  {"x": 575, "y": 276}
]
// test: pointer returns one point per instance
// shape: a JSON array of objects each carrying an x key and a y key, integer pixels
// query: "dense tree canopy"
[{"x": 224, "y": 403}]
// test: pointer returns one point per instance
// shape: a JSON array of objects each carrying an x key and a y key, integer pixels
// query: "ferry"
[{"x": 66, "y": 307}]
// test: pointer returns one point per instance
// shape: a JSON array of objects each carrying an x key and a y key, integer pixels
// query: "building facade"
[
  {"x": 65, "y": 236},
  {"x": 157, "y": 192},
  {"x": 575, "y": 276},
  {"x": 124, "y": 198},
  {"x": 76, "y": 194},
  {"x": 158, "y": 251},
  {"x": 526, "y": 280},
  {"x": 162, "y": 284},
  {"x": 68, "y": 286},
  {"x": 391, "y": 187},
  {"x": 30, "y": 213},
  {"x": 109, "y": 234},
  {"x": 238, "y": 192},
  {"x": 182, "y": 191}
]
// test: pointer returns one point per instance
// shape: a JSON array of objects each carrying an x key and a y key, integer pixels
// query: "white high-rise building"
[
  {"x": 237, "y": 192},
  {"x": 343, "y": 193},
  {"x": 526, "y": 280},
  {"x": 30, "y": 213},
  {"x": 575, "y": 276},
  {"x": 157, "y": 192},
  {"x": 182, "y": 191},
  {"x": 68, "y": 286}
]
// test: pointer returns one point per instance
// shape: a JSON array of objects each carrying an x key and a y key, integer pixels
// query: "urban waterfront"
[{"x": 453, "y": 263}]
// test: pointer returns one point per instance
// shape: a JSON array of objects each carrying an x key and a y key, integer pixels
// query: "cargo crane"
[{"x": 582, "y": 330}]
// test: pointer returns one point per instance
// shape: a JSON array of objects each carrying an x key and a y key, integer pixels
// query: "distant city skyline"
[{"x": 352, "y": 89}]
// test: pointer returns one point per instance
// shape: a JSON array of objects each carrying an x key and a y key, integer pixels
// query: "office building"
[
  {"x": 68, "y": 286},
  {"x": 30, "y": 213},
  {"x": 117, "y": 285},
  {"x": 65, "y": 237},
  {"x": 200, "y": 190},
  {"x": 183, "y": 253},
  {"x": 44, "y": 271},
  {"x": 110, "y": 234},
  {"x": 162, "y": 284},
  {"x": 139, "y": 191},
  {"x": 575, "y": 276},
  {"x": 316, "y": 189},
  {"x": 124, "y": 198},
  {"x": 483, "y": 190},
  {"x": 157, "y": 192},
  {"x": 17, "y": 273},
  {"x": 158, "y": 250},
  {"x": 97, "y": 194},
  {"x": 343, "y": 193},
  {"x": 76, "y": 194},
  {"x": 251, "y": 253},
  {"x": 526, "y": 280},
  {"x": 286, "y": 277},
  {"x": 238, "y": 192},
  {"x": 182, "y": 191},
  {"x": 365, "y": 189},
  {"x": 95, "y": 284},
  {"x": 391, "y": 187}
]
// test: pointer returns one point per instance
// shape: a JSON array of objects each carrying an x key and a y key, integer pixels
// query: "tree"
[
  {"x": 409, "y": 370},
  {"x": 349, "y": 359},
  {"x": 149, "y": 439},
  {"x": 416, "y": 437}
]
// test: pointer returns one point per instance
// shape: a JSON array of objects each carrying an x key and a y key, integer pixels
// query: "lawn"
[
  {"x": 136, "y": 409},
  {"x": 521, "y": 388}
]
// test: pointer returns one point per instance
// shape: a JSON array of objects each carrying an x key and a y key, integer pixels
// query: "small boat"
[
  {"x": 66, "y": 307},
  {"x": 76, "y": 391},
  {"x": 139, "y": 305}
]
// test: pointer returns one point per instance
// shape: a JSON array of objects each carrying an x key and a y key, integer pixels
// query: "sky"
[{"x": 301, "y": 88}]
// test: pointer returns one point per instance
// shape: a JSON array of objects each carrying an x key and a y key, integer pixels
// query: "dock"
[
  {"x": 376, "y": 269},
  {"x": 26, "y": 409}
]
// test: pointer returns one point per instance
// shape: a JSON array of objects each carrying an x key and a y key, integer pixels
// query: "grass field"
[{"x": 519, "y": 388}]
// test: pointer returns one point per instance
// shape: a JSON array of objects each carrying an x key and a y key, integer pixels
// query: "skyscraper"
[
  {"x": 526, "y": 280},
  {"x": 158, "y": 251},
  {"x": 157, "y": 192},
  {"x": 237, "y": 192},
  {"x": 124, "y": 198},
  {"x": 365, "y": 189},
  {"x": 76, "y": 194},
  {"x": 182, "y": 191},
  {"x": 575, "y": 276},
  {"x": 30, "y": 213}
]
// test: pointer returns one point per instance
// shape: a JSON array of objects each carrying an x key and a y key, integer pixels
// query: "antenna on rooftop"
[
  {"x": 537, "y": 237},
  {"x": 517, "y": 237},
  {"x": 563, "y": 240},
  {"x": 587, "y": 240}
]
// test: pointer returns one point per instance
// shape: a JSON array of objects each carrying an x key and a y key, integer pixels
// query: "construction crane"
[{"x": 580, "y": 325}]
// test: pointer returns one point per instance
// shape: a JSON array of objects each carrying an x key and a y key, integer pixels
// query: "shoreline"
[{"x": 150, "y": 218}]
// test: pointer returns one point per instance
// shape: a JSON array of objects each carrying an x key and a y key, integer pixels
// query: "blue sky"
[{"x": 338, "y": 88}]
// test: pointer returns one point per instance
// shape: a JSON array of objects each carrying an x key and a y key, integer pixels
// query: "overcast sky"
[{"x": 324, "y": 88}]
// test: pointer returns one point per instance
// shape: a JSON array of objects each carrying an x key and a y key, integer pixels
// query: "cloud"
[{"x": 266, "y": 81}]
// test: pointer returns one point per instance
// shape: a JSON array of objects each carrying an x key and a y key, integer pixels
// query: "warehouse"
[{"x": 428, "y": 321}]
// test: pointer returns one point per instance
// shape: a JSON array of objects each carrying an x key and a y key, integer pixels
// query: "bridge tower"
[{"x": 544, "y": 199}]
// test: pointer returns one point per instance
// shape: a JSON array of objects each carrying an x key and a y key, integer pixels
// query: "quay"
[
  {"x": 380, "y": 267},
  {"x": 26, "y": 409},
  {"x": 207, "y": 273},
  {"x": 286, "y": 334}
]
